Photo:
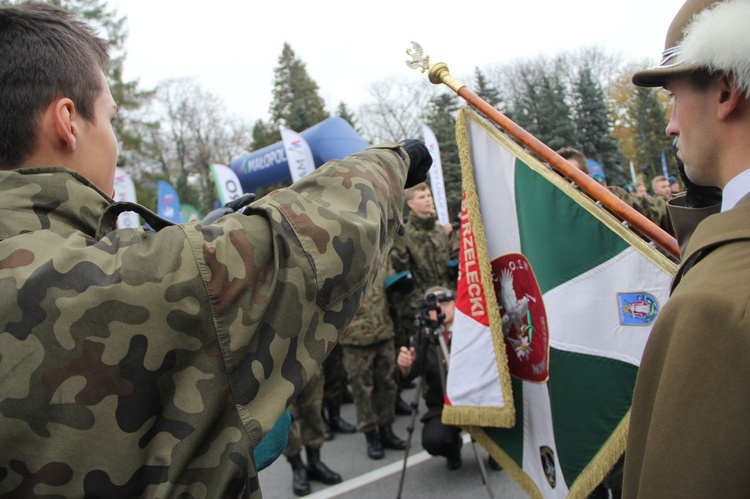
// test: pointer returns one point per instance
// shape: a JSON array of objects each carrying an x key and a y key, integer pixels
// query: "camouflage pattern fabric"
[
  {"x": 335, "y": 377},
  {"x": 372, "y": 323},
  {"x": 370, "y": 358},
  {"x": 147, "y": 364},
  {"x": 652, "y": 207},
  {"x": 306, "y": 429},
  {"x": 371, "y": 372},
  {"x": 425, "y": 250}
]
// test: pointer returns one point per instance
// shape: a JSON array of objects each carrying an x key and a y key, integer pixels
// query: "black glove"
[
  {"x": 420, "y": 161},
  {"x": 696, "y": 196}
]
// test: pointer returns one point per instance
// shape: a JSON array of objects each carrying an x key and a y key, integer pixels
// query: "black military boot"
[
  {"x": 390, "y": 440},
  {"x": 454, "y": 459},
  {"x": 374, "y": 446},
  {"x": 317, "y": 470},
  {"x": 336, "y": 422},
  {"x": 327, "y": 431},
  {"x": 300, "y": 483},
  {"x": 402, "y": 407}
]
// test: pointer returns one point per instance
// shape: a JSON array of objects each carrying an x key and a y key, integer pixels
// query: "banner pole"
[{"x": 439, "y": 73}]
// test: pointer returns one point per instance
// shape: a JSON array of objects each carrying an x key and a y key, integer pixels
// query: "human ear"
[
  {"x": 67, "y": 132},
  {"x": 729, "y": 97}
]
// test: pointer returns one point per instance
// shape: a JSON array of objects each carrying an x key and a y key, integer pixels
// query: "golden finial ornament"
[{"x": 438, "y": 73}]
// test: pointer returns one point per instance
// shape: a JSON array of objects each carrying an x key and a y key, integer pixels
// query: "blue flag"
[
  {"x": 664, "y": 164},
  {"x": 168, "y": 203}
]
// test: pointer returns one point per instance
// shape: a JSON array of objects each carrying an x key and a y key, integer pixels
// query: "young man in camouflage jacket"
[{"x": 140, "y": 363}]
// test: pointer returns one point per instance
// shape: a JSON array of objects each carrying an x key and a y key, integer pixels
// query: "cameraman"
[{"x": 438, "y": 439}]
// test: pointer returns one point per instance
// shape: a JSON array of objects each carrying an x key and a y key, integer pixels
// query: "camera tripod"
[{"x": 430, "y": 335}]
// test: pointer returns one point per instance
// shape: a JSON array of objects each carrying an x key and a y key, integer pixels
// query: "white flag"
[
  {"x": 556, "y": 299},
  {"x": 125, "y": 191},
  {"x": 298, "y": 154},
  {"x": 227, "y": 184},
  {"x": 436, "y": 176}
]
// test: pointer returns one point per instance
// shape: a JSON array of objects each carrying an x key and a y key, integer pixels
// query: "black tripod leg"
[
  {"x": 410, "y": 430},
  {"x": 482, "y": 469}
]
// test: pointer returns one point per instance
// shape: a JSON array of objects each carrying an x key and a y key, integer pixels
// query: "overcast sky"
[{"x": 232, "y": 46}]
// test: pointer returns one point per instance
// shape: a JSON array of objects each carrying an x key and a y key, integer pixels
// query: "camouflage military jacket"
[
  {"x": 373, "y": 323},
  {"x": 150, "y": 364},
  {"x": 652, "y": 207},
  {"x": 425, "y": 250}
]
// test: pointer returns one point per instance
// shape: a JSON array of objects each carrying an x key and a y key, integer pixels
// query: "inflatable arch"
[{"x": 332, "y": 138}]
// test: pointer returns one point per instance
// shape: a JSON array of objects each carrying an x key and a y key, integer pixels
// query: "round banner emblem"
[{"x": 525, "y": 327}]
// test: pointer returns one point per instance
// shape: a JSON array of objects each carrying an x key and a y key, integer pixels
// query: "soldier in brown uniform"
[
  {"x": 688, "y": 433},
  {"x": 151, "y": 364}
]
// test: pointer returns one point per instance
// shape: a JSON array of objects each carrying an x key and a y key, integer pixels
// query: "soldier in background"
[
  {"x": 660, "y": 187},
  {"x": 370, "y": 361},
  {"x": 152, "y": 363},
  {"x": 651, "y": 207},
  {"x": 306, "y": 431},
  {"x": 334, "y": 390}
]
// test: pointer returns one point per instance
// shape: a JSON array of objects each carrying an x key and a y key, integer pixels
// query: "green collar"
[
  {"x": 53, "y": 198},
  {"x": 424, "y": 223}
]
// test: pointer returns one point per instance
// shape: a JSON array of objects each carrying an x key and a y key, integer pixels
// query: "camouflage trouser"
[
  {"x": 335, "y": 377},
  {"x": 307, "y": 423},
  {"x": 370, "y": 369}
]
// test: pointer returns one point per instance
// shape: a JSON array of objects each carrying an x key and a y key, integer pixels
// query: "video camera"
[{"x": 425, "y": 320}]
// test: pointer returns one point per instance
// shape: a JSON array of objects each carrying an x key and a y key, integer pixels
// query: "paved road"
[{"x": 364, "y": 478}]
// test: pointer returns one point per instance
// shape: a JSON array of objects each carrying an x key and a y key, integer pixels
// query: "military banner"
[{"x": 566, "y": 296}]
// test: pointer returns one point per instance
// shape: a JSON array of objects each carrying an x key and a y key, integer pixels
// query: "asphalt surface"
[{"x": 364, "y": 478}]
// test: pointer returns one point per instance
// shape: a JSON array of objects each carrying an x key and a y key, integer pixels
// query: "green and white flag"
[{"x": 570, "y": 295}]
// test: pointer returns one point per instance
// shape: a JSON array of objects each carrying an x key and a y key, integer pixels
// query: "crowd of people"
[
  {"x": 158, "y": 362},
  {"x": 376, "y": 344}
]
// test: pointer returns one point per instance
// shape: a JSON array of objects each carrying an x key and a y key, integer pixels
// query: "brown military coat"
[{"x": 689, "y": 435}]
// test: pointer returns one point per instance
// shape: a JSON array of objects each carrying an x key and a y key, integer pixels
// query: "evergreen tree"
[
  {"x": 296, "y": 103},
  {"x": 441, "y": 118},
  {"x": 484, "y": 89},
  {"x": 650, "y": 121},
  {"x": 556, "y": 128},
  {"x": 342, "y": 111},
  {"x": 264, "y": 134},
  {"x": 593, "y": 128},
  {"x": 541, "y": 108},
  {"x": 525, "y": 103}
]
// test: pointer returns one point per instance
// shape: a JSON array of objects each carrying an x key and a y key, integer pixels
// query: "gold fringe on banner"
[
  {"x": 474, "y": 418},
  {"x": 503, "y": 417}
]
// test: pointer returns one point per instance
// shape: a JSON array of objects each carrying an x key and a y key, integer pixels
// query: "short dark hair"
[
  {"x": 45, "y": 53},
  {"x": 701, "y": 79},
  {"x": 569, "y": 153}
]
